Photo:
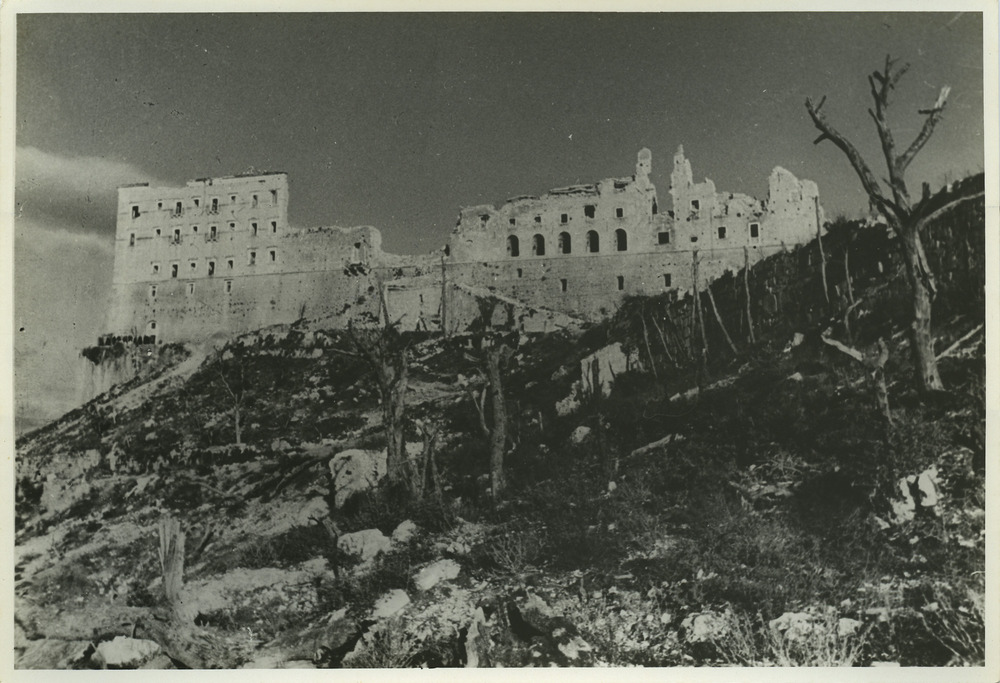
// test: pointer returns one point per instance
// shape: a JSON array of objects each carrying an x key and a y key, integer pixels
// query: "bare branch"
[{"x": 933, "y": 116}]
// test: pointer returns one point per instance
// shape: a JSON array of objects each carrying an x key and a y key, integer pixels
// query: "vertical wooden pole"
[{"x": 746, "y": 288}]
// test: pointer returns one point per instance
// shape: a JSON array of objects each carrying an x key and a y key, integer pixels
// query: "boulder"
[
  {"x": 435, "y": 573},
  {"x": 124, "y": 652},
  {"x": 579, "y": 434},
  {"x": 405, "y": 532},
  {"x": 52, "y": 653},
  {"x": 364, "y": 544},
  {"x": 389, "y": 604},
  {"x": 355, "y": 470},
  {"x": 702, "y": 627},
  {"x": 795, "y": 626}
]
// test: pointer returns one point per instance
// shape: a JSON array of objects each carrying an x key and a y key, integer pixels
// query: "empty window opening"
[
  {"x": 211, "y": 268},
  {"x": 253, "y": 227},
  {"x": 173, "y": 270},
  {"x": 156, "y": 268},
  {"x": 484, "y": 218},
  {"x": 212, "y": 232},
  {"x": 755, "y": 230},
  {"x": 565, "y": 245},
  {"x": 152, "y": 291},
  {"x": 564, "y": 218},
  {"x": 157, "y": 232},
  {"x": 135, "y": 212},
  {"x": 722, "y": 232},
  {"x": 159, "y": 205},
  {"x": 619, "y": 212},
  {"x": 666, "y": 280},
  {"x": 229, "y": 286},
  {"x": 538, "y": 219},
  {"x": 194, "y": 265},
  {"x": 215, "y": 205},
  {"x": 190, "y": 288},
  {"x": 178, "y": 208},
  {"x": 694, "y": 238},
  {"x": 232, "y": 226},
  {"x": 274, "y": 197},
  {"x": 621, "y": 282},
  {"x": 590, "y": 210},
  {"x": 197, "y": 202},
  {"x": 621, "y": 240},
  {"x": 513, "y": 221},
  {"x": 655, "y": 208},
  {"x": 232, "y": 199},
  {"x": 229, "y": 264},
  {"x": 273, "y": 254},
  {"x": 563, "y": 284},
  {"x": 695, "y": 205},
  {"x": 538, "y": 245},
  {"x": 274, "y": 226},
  {"x": 152, "y": 325},
  {"x": 194, "y": 229},
  {"x": 663, "y": 238},
  {"x": 593, "y": 242},
  {"x": 447, "y": 250},
  {"x": 513, "y": 246},
  {"x": 177, "y": 235},
  {"x": 131, "y": 240},
  {"x": 253, "y": 257},
  {"x": 520, "y": 273},
  {"x": 253, "y": 202}
]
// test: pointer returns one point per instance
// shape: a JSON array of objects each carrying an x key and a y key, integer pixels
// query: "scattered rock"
[
  {"x": 702, "y": 627},
  {"x": 579, "y": 434},
  {"x": 389, "y": 604},
  {"x": 51, "y": 653},
  {"x": 355, "y": 470},
  {"x": 597, "y": 373},
  {"x": 405, "y": 532},
  {"x": 795, "y": 377},
  {"x": 124, "y": 652},
  {"x": 436, "y": 572},
  {"x": 795, "y": 626},
  {"x": 364, "y": 544}
]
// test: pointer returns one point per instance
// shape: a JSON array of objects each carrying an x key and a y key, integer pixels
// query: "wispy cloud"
[{"x": 77, "y": 193}]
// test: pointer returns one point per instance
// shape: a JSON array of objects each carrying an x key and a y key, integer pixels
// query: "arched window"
[
  {"x": 593, "y": 242},
  {"x": 565, "y": 245},
  {"x": 538, "y": 245},
  {"x": 621, "y": 240},
  {"x": 513, "y": 246}
]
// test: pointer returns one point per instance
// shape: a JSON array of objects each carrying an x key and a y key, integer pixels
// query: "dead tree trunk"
[
  {"x": 822, "y": 254},
  {"x": 718, "y": 319},
  {"x": 703, "y": 362},
  {"x": 746, "y": 289},
  {"x": 496, "y": 361},
  {"x": 172, "y": 560},
  {"x": 645, "y": 337}
]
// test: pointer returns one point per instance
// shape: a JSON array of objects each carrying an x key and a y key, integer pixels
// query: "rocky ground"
[{"x": 772, "y": 516}]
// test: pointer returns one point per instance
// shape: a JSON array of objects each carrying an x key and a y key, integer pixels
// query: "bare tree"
[
  {"x": 387, "y": 356},
  {"x": 904, "y": 217},
  {"x": 231, "y": 367}
]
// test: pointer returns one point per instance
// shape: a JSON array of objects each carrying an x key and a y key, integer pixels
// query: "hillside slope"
[{"x": 750, "y": 505}]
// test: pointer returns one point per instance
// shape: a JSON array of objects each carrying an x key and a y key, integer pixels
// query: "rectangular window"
[
  {"x": 197, "y": 202},
  {"x": 157, "y": 232},
  {"x": 159, "y": 205},
  {"x": 274, "y": 197},
  {"x": 621, "y": 282},
  {"x": 564, "y": 218},
  {"x": 722, "y": 232},
  {"x": 253, "y": 203},
  {"x": 538, "y": 219},
  {"x": 212, "y": 232},
  {"x": 666, "y": 279},
  {"x": 190, "y": 288},
  {"x": 663, "y": 238},
  {"x": 194, "y": 229},
  {"x": 590, "y": 210},
  {"x": 135, "y": 212},
  {"x": 229, "y": 263},
  {"x": 563, "y": 284},
  {"x": 194, "y": 265},
  {"x": 179, "y": 208},
  {"x": 253, "y": 257},
  {"x": 229, "y": 286},
  {"x": 695, "y": 205},
  {"x": 156, "y": 268},
  {"x": 173, "y": 270},
  {"x": 273, "y": 254},
  {"x": 755, "y": 230},
  {"x": 232, "y": 226},
  {"x": 694, "y": 238},
  {"x": 253, "y": 228},
  {"x": 619, "y": 212},
  {"x": 232, "y": 199},
  {"x": 131, "y": 240},
  {"x": 520, "y": 272},
  {"x": 215, "y": 205},
  {"x": 211, "y": 268},
  {"x": 274, "y": 226},
  {"x": 177, "y": 236},
  {"x": 513, "y": 221}
]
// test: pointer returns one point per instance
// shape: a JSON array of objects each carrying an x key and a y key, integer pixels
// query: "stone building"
[{"x": 219, "y": 257}]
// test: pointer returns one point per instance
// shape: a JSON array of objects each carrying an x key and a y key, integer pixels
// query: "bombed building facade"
[{"x": 218, "y": 256}]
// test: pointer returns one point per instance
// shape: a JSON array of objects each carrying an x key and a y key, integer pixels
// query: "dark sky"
[{"x": 397, "y": 120}]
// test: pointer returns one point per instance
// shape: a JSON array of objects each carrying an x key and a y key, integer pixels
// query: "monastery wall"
[{"x": 218, "y": 256}]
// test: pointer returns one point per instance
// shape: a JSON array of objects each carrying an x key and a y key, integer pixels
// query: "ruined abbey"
[{"x": 218, "y": 256}]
